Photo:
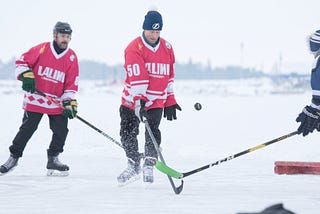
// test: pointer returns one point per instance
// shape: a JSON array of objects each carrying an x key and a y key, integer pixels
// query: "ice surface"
[{"x": 228, "y": 123}]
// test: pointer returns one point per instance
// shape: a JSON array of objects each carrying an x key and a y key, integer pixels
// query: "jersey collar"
[
  {"x": 58, "y": 56},
  {"x": 153, "y": 49}
]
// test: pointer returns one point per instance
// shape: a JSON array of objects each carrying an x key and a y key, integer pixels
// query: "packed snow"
[{"x": 235, "y": 115}]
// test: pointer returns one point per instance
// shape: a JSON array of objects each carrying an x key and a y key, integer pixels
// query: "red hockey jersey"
[
  {"x": 55, "y": 74},
  {"x": 149, "y": 74}
]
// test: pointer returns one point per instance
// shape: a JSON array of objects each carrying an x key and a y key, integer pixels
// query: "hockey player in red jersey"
[
  {"x": 148, "y": 92},
  {"x": 51, "y": 67}
]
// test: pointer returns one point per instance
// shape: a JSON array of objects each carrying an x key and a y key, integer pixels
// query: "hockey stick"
[
  {"x": 177, "y": 190},
  {"x": 175, "y": 174},
  {"x": 83, "y": 120}
]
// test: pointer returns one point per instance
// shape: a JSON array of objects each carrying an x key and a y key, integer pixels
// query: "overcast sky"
[{"x": 252, "y": 33}]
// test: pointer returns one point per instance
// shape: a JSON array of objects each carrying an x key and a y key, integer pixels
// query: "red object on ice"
[{"x": 292, "y": 167}]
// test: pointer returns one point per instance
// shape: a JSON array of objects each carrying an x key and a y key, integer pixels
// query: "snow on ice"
[{"x": 235, "y": 116}]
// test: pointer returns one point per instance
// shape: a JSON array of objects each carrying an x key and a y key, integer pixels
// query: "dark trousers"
[
  {"x": 30, "y": 122},
  {"x": 129, "y": 130}
]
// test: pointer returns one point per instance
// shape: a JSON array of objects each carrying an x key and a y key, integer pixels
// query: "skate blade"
[
  {"x": 131, "y": 180},
  {"x": 56, "y": 173},
  {"x": 147, "y": 183}
]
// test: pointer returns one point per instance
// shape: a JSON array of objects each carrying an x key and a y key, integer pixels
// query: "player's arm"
[
  {"x": 309, "y": 118},
  {"x": 71, "y": 80},
  {"x": 315, "y": 85},
  {"x": 170, "y": 93},
  {"x": 70, "y": 89},
  {"x": 137, "y": 75},
  {"x": 27, "y": 60},
  {"x": 171, "y": 105},
  {"x": 24, "y": 68}
]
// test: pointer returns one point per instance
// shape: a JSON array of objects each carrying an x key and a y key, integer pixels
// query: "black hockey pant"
[
  {"x": 30, "y": 122},
  {"x": 129, "y": 130}
]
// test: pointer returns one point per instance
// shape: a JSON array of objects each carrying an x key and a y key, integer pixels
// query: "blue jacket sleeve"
[{"x": 315, "y": 82}]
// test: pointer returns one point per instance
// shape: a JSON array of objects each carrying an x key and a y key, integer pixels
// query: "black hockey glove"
[
  {"x": 28, "y": 81},
  {"x": 140, "y": 110},
  {"x": 70, "y": 108},
  {"x": 310, "y": 120},
  {"x": 170, "y": 112}
]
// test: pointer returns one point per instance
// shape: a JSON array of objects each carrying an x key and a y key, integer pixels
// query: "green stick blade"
[{"x": 167, "y": 170}]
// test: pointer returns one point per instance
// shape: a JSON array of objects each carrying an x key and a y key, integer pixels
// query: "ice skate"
[
  {"x": 147, "y": 174},
  {"x": 8, "y": 166},
  {"x": 147, "y": 170},
  {"x": 56, "y": 168},
  {"x": 130, "y": 174}
]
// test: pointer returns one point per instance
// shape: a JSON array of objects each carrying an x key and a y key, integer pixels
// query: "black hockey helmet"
[{"x": 62, "y": 27}]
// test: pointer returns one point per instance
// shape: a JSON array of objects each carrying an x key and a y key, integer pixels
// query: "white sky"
[{"x": 203, "y": 30}]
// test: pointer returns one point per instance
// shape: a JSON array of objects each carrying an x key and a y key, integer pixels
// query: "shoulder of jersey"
[
  {"x": 73, "y": 57},
  {"x": 135, "y": 45},
  {"x": 42, "y": 47},
  {"x": 166, "y": 43}
]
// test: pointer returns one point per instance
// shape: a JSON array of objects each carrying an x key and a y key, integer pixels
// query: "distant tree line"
[{"x": 93, "y": 70}]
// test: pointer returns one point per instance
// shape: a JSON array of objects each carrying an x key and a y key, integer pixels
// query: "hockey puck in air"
[{"x": 198, "y": 106}]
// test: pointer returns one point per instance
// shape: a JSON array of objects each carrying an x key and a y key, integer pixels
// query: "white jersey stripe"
[{"x": 316, "y": 92}]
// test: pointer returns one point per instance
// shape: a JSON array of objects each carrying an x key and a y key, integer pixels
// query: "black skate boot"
[
  {"x": 130, "y": 174},
  {"x": 56, "y": 168},
  {"x": 147, "y": 169},
  {"x": 8, "y": 166}
]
